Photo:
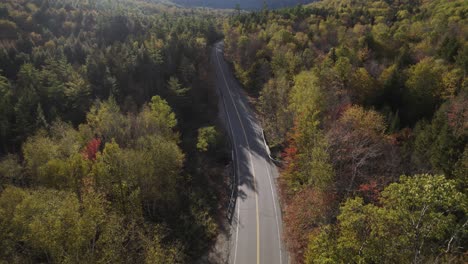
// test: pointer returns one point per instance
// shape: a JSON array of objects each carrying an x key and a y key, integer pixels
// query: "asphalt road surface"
[{"x": 256, "y": 231}]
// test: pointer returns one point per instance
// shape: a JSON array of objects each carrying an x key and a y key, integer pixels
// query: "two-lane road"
[{"x": 256, "y": 223}]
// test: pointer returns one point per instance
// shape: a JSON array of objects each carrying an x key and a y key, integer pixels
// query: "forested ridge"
[
  {"x": 365, "y": 103},
  {"x": 242, "y": 4},
  {"x": 109, "y": 150}
]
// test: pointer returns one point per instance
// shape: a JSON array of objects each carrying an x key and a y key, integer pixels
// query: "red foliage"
[
  {"x": 308, "y": 210},
  {"x": 290, "y": 152},
  {"x": 289, "y": 167},
  {"x": 91, "y": 149},
  {"x": 370, "y": 191}
]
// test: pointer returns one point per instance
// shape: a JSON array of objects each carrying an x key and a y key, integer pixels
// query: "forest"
[
  {"x": 242, "y": 4},
  {"x": 110, "y": 151},
  {"x": 366, "y": 105}
]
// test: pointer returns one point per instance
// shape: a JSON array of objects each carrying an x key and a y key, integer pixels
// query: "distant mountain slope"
[{"x": 244, "y": 4}]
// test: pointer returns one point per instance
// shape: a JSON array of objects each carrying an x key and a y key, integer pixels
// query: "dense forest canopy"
[
  {"x": 58, "y": 58},
  {"x": 352, "y": 95},
  {"x": 108, "y": 149}
]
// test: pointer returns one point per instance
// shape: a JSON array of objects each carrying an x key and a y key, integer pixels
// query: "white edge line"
[
  {"x": 267, "y": 165},
  {"x": 234, "y": 152},
  {"x": 276, "y": 211}
]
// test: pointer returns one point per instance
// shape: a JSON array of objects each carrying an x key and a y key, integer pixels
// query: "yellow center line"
[{"x": 251, "y": 160}]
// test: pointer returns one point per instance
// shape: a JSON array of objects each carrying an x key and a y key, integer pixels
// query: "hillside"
[{"x": 243, "y": 4}]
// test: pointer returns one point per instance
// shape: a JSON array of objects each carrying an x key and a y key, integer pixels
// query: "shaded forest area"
[
  {"x": 354, "y": 94},
  {"x": 109, "y": 150}
]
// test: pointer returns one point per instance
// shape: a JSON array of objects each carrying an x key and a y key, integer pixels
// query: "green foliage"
[
  {"x": 364, "y": 87},
  {"x": 237, "y": 5},
  {"x": 155, "y": 118},
  {"x": 449, "y": 48},
  {"x": 51, "y": 221},
  {"x": 176, "y": 87},
  {"x": 38, "y": 150},
  {"x": 127, "y": 50},
  {"x": 51, "y": 225},
  {"x": 424, "y": 88},
  {"x": 158, "y": 253},
  {"x": 309, "y": 159},
  {"x": 10, "y": 198},
  {"x": 460, "y": 170},
  {"x": 10, "y": 171},
  {"x": 136, "y": 182},
  {"x": 277, "y": 118},
  {"x": 160, "y": 108},
  {"x": 207, "y": 137},
  {"x": 6, "y": 111},
  {"x": 419, "y": 221},
  {"x": 307, "y": 95},
  {"x": 63, "y": 174},
  {"x": 55, "y": 226},
  {"x": 343, "y": 69},
  {"x": 25, "y": 109},
  {"x": 108, "y": 122},
  {"x": 325, "y": 238},
  {"x": 82, "y": 109},
  {"x": 336, "y": 68},
  {"x": 159, "y": 176},
  {"x": 114, "y": 178},
  {"x": 356, "y": 93},
  {"x": 438, "y": 146}
]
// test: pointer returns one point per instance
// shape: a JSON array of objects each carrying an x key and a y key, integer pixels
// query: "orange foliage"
[
  {"x": 289, "y": 156},
  {"x": 91, "y": 149},
  {"x": 306, "y": 211}
]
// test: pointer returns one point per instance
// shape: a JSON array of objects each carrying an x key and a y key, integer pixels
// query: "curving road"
[{"x": 256, "y": 217}]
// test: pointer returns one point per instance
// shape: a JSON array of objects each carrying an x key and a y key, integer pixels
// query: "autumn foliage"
[
  {"x": 370, "y": 191},
  {"x": 361, "y": 151},
  {"x": 92, "y": 149},
  {"x": 357, "y": 93},
  {"x": 306, "y": 211}
]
